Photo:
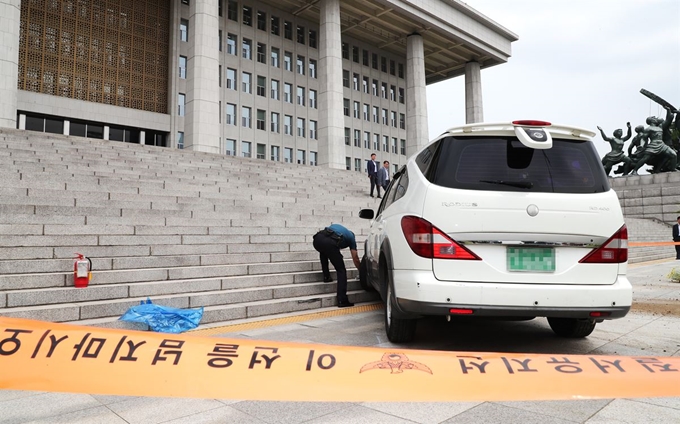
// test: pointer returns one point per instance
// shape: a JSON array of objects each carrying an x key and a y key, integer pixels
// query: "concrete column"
[
  {"x": 416, "y": 95},
  {"x": 22, "y": 121},
  {"x": 474, "y": 109},
  {"x": 67, "y": 127},
  {"x": 201, "y": 123},
  {"x": 331, "y": 119},
  {"x": 10, "y": 10},
  {"x": 142, "y": 137}
]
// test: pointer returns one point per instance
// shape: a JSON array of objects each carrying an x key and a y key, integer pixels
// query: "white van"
[{"x": 509, "y": 220}]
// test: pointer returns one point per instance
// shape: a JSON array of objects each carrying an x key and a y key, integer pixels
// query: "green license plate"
[{"x": 531, "y": 259}]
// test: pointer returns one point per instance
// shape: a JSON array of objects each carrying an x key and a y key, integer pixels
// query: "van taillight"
[
  {"x": 614, "y": 250},
  {"x": 430, "y": 242}
]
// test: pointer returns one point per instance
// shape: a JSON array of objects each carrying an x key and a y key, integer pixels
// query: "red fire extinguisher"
[{"x": 82, "y": 271}]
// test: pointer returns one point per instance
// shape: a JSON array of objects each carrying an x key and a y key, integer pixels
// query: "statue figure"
[
  {"x": 656, "y": 147},
  {"x": 616, "y": 155}
]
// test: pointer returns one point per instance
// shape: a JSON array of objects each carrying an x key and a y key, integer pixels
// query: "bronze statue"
[
  {"x": 655, "y": 147},
  {"x": 616, "y": 155}
]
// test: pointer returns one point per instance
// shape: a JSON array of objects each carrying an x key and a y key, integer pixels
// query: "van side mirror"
[{"x": 366, "y": 214}]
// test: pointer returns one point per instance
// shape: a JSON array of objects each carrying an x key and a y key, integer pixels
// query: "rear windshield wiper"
[{"x": 518, "y": 184}]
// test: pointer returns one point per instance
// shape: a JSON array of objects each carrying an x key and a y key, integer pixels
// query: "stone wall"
[{"x": 654, "y": 196}]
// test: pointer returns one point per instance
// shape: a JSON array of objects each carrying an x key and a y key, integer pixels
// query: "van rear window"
[{"x": 505, "y": 164}]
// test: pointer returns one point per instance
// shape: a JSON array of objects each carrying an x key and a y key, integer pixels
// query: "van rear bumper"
[{"x": 419, "y": 293}]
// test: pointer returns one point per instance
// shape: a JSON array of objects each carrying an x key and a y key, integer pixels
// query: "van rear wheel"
[
  {"x": 571, "y": 327},
  {"x": 398, "y": 330}
]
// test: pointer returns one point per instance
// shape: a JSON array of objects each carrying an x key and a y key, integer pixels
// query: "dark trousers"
[
  {"x": 677, "y": 251},
  {"x": 374, "y": 183},
  {"x": 327, "y": 248}
]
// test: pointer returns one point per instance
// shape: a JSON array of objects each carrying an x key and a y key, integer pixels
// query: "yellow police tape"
[{"x": 45, "y": 356}]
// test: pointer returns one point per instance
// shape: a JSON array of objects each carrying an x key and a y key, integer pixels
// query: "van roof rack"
[{"x": 509, "y": 126}]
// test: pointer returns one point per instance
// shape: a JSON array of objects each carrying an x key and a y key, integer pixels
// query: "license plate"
[{"x": 531, "y": 259}]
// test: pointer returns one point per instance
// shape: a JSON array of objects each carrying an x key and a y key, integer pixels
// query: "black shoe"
[
  {"x": 327, "y": 280},
  {"x": 379, "y": 197},
  {"x": 345, "y": 304}
]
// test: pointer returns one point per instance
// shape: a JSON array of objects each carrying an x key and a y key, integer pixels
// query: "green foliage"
[{"x": 674, "y": 275}]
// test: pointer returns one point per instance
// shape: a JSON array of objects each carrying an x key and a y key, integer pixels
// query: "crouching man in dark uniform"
[{"x": 328, "y": 242}]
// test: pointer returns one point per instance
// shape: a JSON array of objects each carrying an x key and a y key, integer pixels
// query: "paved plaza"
[{"x": 651, "y": 329}]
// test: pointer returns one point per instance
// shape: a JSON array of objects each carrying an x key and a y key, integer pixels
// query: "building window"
[
  {"x": 275, "y": 153},
  {"x": 219, "y": 76},
  {"x": 374, "y": 87},
  {"x": 367, "y": 140},
  {"x": 393, "y": 93},
  {"x": 394, "y": 145},
  {"x": 312, "y": 158},
  {"x": 247, "y": 49},
  {"x": 231, "y": 114},
  {"x": 288, "y": 125},
  {"x": 245, "y": 149},
  {"x": 401, "y": 70},
  {"x": 376, "y": 142},
  {"x": 231, "y": 79},
  {"x": 345, "y": 106},
  {"x": 401, "y": 95},
  {"x": 357, "y": 110},
  {"x": 355, "y": 81},
  {"x": 384, "y": 117},
  {"x": 180, "y": 139},
  {"x": 357, "y": 138},
  {"x": 183, "y": 67},
  {"x": 374, "y": 61},
  {"x": 247, "y": 16},
  {"x": 402, "y": 121},
  {"x": 383, "y": 90},
  {"x": 403, "y": 146},
  {"x": 262, "y": 53},
  {"x": 275, "y": 90},
  {"x": 261, "y": 86},
  {"x": 261, "y": 122},
  {"x": 219, "y": 42},
  {"x": 312, "y": 68},
  {"x": 312, "y": 99},
  {"x": 287, "y": 93},
  {"x": 232, "y": 11},
  {"x": 287, "y": 30},
  {"x": 261, "y": 21},
  {"x": 183, "y": 30},
  {"x": 219, "y": 7},
  {"x": 348, "y": 142},
  {"x": 392, "y": 68},
  {"x": 261, "y": 149},
  {"x": 393, "y": 119},
  {"x": 364, "y": 84},
  {"x": 365, "y": 57},
  {"x": 288, "y": 61},
  {"x": 301, "y": 127},
  {"x": 345, "y": 78},
  {"x": 275, "y": 125},
  {"x": 300, "y": 65},
  {"x": 245, "y": 116},
  {"x": 275, "y": 57},
  {"x": 181, "y": 101},
  {"x": 312, "y": 130},
  {"x": 383, "y": 63},
  {"x": 386, "y": 141},
  {"x": 301, "y": 34},
  {"x": 345, "y": 51},
  {"x": 230, "y": 147},
  {"x": 355, "y": 54},
  {"x": 312, "y": 38},
  {"x": 357, "y": 164},
  {"x": 246, "y": 80},
  {"x": 376, "y": 112},
  {"x": 301, "y": 96},
  {"x": 288, "y": 154},
  {"x": 348, "y": 163},
  {"x": 300, "y": 157},
  {"x": 231, "y": 43},
  {"x": 367, "y": 116},
  {"x": 275, "y": 26}
]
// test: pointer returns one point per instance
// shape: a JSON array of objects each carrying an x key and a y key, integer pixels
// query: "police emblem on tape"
[{"x": 397, "y": 363}]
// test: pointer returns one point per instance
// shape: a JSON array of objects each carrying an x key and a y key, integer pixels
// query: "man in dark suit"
[
  {"x": 372, "y": 169},
  {"x": 384, "y": 175},
  {"x": 676, "y": 238}
]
